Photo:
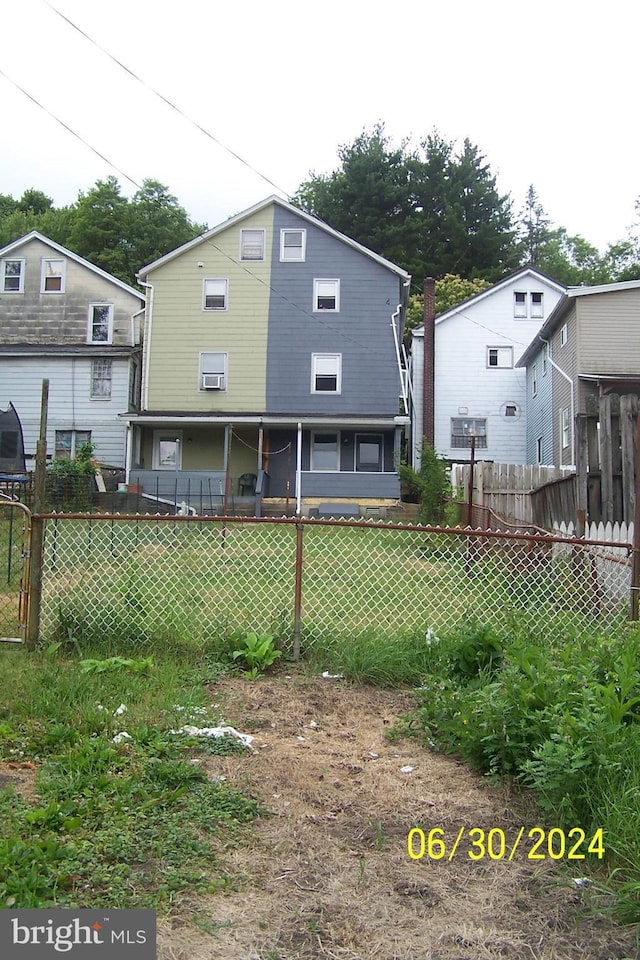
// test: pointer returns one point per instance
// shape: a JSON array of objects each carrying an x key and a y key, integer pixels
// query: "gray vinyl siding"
[
  {"x": 70, "y": 405},
  {"x": 540, "y": 410},
  {"x": 360, "y": 332},
  {"x": 347, "y": 482},
  {"x": 566, "y": 358}
]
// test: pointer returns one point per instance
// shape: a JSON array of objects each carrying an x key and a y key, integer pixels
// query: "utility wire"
[
  {"x": 165, "y": 100},
  {"x": 69, "y": 130}
]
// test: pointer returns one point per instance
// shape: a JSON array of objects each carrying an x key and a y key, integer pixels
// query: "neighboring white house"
[
  {"x": 468, "y": 382},
  {"x": 66, "y": 320}
]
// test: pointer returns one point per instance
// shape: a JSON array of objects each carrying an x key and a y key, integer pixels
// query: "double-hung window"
[
  {"x": 500, "y": 357},
  {"x": 537, "y": 304},
  {"x": 564, "y": 421},
  {"x": 213, "y": 370},
  {"x": 326, "y": 295},
  {"x": 215, "y": 294},
  {"x": 252, "y": 244},
  {"x": 326, "y": 373},
  {"x": 101, "y": 379},
  {"x": 293, "y": 244},
  {"x": 519, "y": 304},
  {"x": 464, "y": 428},
  {"x": 100, "y": 328},
  {"x": 11, "y": 276},
  {"x": 52, "y": 276}
]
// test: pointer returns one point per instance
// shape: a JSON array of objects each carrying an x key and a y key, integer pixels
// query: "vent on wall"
[{"x": 212, "y": 381}]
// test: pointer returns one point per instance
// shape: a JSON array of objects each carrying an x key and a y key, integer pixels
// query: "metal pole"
[
  {"x": 471, "y": 470},
  {"x": 297, "y": 615},
  {"x": 37, "y": 526},
  {"x": 635, "y": 563}
]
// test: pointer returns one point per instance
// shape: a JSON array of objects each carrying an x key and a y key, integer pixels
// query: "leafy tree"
[
  {"x": 623, "y": 257},
  {"x": 431, "y": 210},
  {"x": 368, "y": 198},
  {"x": 450, "y": 291},
  {"x": 534, "y": 228},
  {"x": 157, "y": 224},
  {"x": 34, "y": 201},
  {"x": 100, "y": 228}
]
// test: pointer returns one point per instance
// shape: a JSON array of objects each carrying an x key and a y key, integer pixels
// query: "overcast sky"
[{"x": 548, "y": 91}]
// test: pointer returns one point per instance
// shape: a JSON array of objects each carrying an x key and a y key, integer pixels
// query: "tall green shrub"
[{"x": 429, "y": 485}]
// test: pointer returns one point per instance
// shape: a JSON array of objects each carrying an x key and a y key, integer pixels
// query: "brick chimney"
[{"x": 428, "y": 373}]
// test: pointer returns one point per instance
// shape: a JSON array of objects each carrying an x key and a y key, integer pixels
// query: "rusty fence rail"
[{"x": 141, "y": 578}]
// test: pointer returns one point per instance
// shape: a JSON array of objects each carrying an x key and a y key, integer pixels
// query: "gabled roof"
[
  {"x": 12, "y": 248},
  {"x": 239, "y": 217},
  {"x": 500, "y": 285},
  {"x": 563, "y": 306}
]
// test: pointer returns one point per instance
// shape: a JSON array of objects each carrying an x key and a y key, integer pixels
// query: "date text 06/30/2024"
[{"x": 476, "y": 844}]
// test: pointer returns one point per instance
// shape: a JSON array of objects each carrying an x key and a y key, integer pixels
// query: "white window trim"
[
  {"x": 534, "y": 379},
  {"x": 520, "y": 309},
  {"x": 324, "y": 433},
  {"x": 97, "y": 397},
  {"x": 316, "y": 282},
  {"x": 159, "y": 435},
  {"x": 503, "y": 349},
  {"x": 3, "y": 265},
  {"x": 326, "y": 356},
  {"x": 43, "y": 275},
  {"x": 300, "y": 259},
  {"x": 539, "y": 446},
  {"x": 536, "y": 310},
  {"x": 264, "y": 242},
  {"x": 224, "y": 372},
  {"x": 75, "y": 445},
  {"x": 224, "y": 280},
  {"x": 90, "y": 323},
  {"x": 564, "y": 334}
]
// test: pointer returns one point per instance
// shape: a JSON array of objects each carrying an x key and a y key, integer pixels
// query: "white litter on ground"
[
  {"x": 120, "y": 710},
  {"x": 407, "y": 769},
  {"x": 190, "y": 731},
  {"x": 121, "y": 737},
  {"x": 332, "y": 676}
]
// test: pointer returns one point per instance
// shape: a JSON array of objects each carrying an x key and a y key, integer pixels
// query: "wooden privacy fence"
[{"x": 512, "y": 491}]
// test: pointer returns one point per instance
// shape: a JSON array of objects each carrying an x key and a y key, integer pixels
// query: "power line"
[
  {"x": 69, "y": 129},
  {"x": 166, "y": 100}
]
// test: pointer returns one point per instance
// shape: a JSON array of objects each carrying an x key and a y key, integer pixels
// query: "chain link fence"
[{"x": 309, "y": 581}]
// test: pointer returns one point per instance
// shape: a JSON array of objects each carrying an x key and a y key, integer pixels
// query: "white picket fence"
[{"x": 610, "y": 563}]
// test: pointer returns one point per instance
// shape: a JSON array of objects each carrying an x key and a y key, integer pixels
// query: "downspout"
[
  {"x": 133, "y": 329},
  {"x": 146, "y": 344},
  {"x": 129, "y": 452},
  {"x": 299, "y": 471},
  {"x": 570, "y": 382}
]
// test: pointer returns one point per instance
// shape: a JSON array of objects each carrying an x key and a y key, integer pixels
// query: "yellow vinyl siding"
[{"x": 182, "y": 329}]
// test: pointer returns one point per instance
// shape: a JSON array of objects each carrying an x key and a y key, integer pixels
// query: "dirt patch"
[
  {"x": 21, "y": 776},
  {"x": 328, "y": 872}
]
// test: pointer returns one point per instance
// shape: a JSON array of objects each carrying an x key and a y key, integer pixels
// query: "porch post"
[{"x": 129, "y": 452}]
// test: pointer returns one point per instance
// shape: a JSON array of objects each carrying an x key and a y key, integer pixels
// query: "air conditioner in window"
[{"x": 212, "y": 381}]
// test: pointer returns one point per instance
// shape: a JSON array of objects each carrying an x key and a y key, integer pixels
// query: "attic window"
[
  {"x": 537, "y": 304},
  {"x": 252, "y": 244},
  {"x": 519, "y": 303},
  {"x": 510, "y": 410},
  {"x": 53, "y": 276},
  {"x": 12, "y": 276}
]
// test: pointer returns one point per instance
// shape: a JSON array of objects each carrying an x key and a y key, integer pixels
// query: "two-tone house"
[
  {"x": 64, "y": 319},
  {"x": 588, "y": 347},
  {"x": 464, "y": 373},
  {"x": 271, "y": 367}
]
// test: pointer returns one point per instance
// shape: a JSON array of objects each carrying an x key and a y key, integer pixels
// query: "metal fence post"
[
  {"x": 37, "y": 526},
  {"x": 297, "y": 616}
]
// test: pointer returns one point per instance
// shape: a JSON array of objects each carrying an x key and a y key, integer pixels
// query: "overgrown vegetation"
[
  {"x": 125, "y": 813},
  {"x": 561, "y": 715},
  {"x": 429, "y": 486}
]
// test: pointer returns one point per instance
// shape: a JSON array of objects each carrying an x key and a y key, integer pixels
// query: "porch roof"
[{"x": 160, "y": 418}]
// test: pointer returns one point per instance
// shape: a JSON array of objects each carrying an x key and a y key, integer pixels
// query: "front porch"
[{"x": 214, "y": 468}]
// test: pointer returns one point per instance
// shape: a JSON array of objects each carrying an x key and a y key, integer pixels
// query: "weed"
[{"x": 258, "y": 653}]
